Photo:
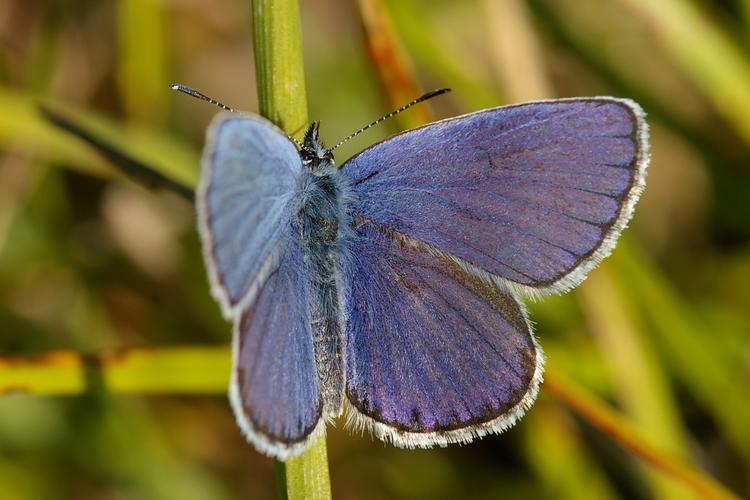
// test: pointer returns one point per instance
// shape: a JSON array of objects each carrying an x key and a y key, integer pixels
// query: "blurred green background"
[{"x": 90, "y": 261}]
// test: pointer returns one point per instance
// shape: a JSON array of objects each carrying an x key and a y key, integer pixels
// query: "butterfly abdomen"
[{"x": 324, "y": 233}]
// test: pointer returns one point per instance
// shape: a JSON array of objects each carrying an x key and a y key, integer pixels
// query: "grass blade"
[
  {"x": 625, "y": 434},
  {"x": 281, "y": 94}
]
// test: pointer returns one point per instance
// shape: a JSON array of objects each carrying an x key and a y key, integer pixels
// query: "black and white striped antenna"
[
  {"x": 428, "y": 95},
  {"x": 203, "y": 97},
  {"x": 194, "y": 93}
]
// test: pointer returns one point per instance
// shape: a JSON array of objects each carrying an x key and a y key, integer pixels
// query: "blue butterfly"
[{"x": 390, "y": 288}]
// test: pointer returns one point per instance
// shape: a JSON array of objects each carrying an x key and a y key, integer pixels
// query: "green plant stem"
[
  {"x": 206, "y": 370},
  {"x": 173, "y": 370},
  {"x": 307, "y": 474},
  {"x": 278, "y": 63},
  {"x": 281, "y": 97}
]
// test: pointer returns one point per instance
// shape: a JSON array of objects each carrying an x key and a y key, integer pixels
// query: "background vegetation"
[{"x": 103, "y": 292}]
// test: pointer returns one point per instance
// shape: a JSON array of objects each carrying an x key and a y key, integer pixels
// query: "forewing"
[
  {"x": 534, "y": 193},
  {"x": 434, "y": 354},
  {"x": 274, "y": 389},
  {"x": 250, "y": 176}
]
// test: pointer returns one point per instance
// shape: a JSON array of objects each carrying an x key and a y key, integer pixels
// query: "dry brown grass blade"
[
  {"x": 609, "y": 422},
  {"x": 391, "y": 62}
]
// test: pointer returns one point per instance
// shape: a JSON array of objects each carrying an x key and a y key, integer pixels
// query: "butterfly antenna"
[
  {"x": 203, "y": 97},
  {"x": 194, "y": 93},
  {"x": 428, "y": 95}
]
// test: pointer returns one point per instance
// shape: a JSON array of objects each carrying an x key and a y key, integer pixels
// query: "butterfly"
[{"x": 391, "y": 289}]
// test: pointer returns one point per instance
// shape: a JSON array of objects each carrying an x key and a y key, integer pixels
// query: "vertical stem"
[
  {"x": 307, "y": 474},
  {"x": 281, "y": 95},
  {"x": 278, "y": 63},
  {"x": 280, "y": 473}
]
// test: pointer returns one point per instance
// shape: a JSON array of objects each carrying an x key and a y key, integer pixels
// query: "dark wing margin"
[
  {"x": 534, "y": 194},
  {"x": 434, "y": 353},
  {"x": 246, "y": 202},
  {"x": 274, "y": 387}
]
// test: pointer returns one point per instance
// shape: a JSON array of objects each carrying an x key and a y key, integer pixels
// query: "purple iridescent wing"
[
  {"x": 434, "y": 354},
  {"x": 274, "y": 389},
  {"x": 535, "y": 193},
  {"x": 250, "y": 175},
  {"x": 247, "y": 201}
]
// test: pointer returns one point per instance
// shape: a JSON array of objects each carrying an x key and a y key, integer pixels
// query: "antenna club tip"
[
  {"x": 436, "y": 92},
  {"x": 174, "y": 86}
]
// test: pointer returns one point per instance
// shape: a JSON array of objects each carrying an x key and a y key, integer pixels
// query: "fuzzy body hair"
[{"x": 326, "y": 228}]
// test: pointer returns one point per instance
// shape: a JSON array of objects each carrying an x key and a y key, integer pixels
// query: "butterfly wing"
[
  {"x": 535, "y": 193},
  {"x": 247, "y": 202},
  {"x": 274, "y": 390},
  {"x": 434, "y": 354},
  {"x": 250, "y": 175}
]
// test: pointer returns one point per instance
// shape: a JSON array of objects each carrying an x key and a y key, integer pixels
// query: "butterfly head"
[{"x": 314, "y": 154}]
